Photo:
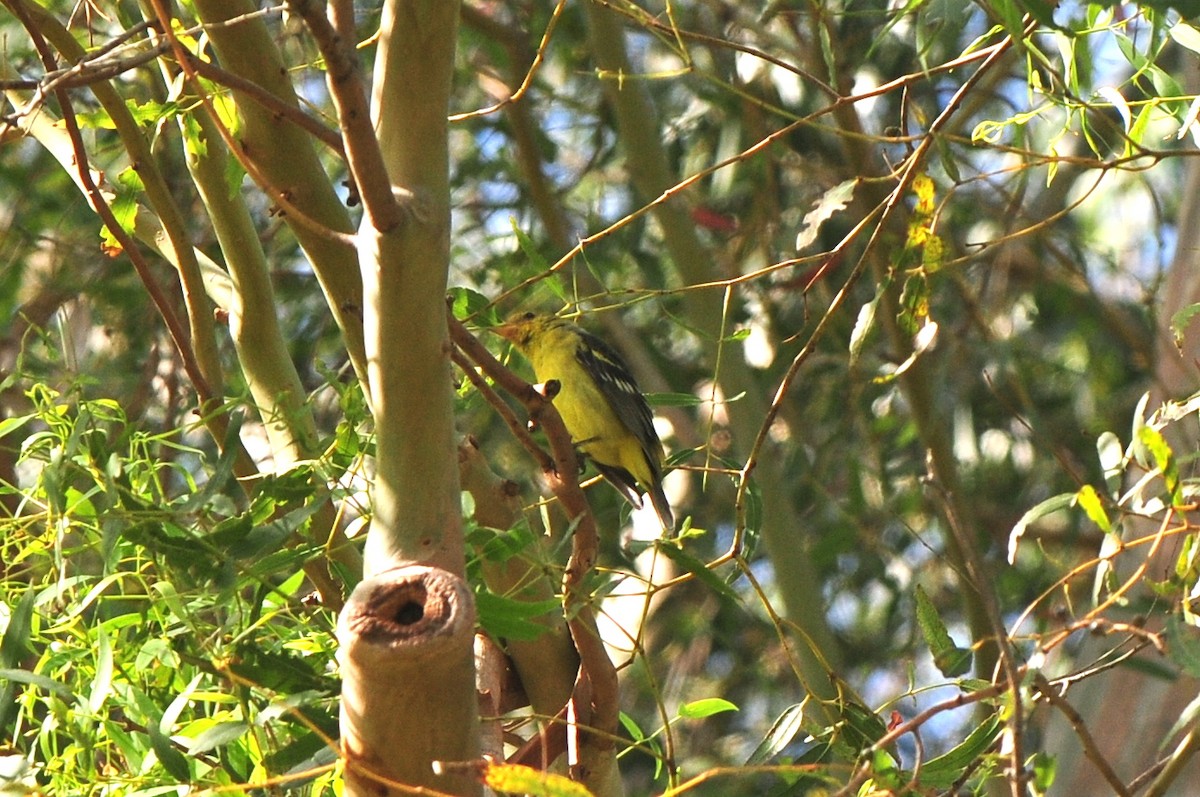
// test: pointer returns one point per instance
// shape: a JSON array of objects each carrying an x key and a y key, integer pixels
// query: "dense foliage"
[{"x": 898, "y": 278}]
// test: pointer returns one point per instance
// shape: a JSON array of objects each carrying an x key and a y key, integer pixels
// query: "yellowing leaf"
[
  {"x": 923, "y": 188},
  {"x": 1089, "y": 500},
  {"x": 517, "y": 779}
]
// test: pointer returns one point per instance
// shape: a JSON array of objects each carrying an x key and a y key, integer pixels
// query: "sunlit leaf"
[
  {"x": 699, "y": 709},
  {"x": 518, "y": 779},
  {"x": 1089, "y": 500},
  {"x": 941, "y": 772},
  {"x": 832, "y": 201},
  {"x": 781, "y": 733},
  {"x": 1031, "y": 516}
]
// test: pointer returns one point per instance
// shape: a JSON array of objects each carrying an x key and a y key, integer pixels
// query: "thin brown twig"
[
  {"x": 644, "y": 19},
  {"x": 348, "y": 92},
  {"x": 538, "y": 57},
  {"x": 518, "y": 429},
  {"x": 1173, "y": 768},
  {"x": 179, "y": 334},
  {"x": 749, "y": 152},
  {"x": 95, "y": 68},
  {"x": 905, "y": 180},
  {"x": 182, "y": 57},
  {"x": 864, "y": 770},
  {"x": 596, "y": 693},
  {"x": 272, "y": 103},
  {"x": 1046, "y": 690}
]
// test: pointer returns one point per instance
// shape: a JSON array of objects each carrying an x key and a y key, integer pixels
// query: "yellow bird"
[{"x": 604, "y": 411}]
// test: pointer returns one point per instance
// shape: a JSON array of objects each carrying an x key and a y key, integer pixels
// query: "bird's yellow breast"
[{"x": 591, "y": 422}]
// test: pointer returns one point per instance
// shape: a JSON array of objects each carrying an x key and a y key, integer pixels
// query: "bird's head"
[{"x": 523, "y": 328}]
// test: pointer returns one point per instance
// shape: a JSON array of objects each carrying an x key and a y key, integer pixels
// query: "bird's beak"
[{"x": 506, "y": 331}]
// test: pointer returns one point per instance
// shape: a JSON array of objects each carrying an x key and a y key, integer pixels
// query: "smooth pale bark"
[
  {"x": 409, "y": 699},
  {"x": 404, "y": 269},
  {"x": 287, "y": 159}
]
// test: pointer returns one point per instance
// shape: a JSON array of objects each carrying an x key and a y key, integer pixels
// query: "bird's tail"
[{"x": 659, "y": 500}]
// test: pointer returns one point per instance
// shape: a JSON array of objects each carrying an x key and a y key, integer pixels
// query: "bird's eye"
[{"x": 529, "y": 316}]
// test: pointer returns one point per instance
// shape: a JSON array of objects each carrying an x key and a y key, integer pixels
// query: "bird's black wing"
[{"x": 615, "y": 380}]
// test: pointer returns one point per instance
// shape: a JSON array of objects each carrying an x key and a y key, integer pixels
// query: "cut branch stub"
[{"x": 406, "y": 650}]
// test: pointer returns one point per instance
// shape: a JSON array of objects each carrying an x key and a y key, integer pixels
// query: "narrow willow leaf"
[
  {"x": 831, "y": 202},
  {"x": 700, "y": 570},
  {"x": 950, "y": 659},
  {"x": 698, "y": 709},
  {"x": 943, "y": 771},
  {"x": 1089, "y": 500},
  {"x": 862, "y": 327},
  {"x": 1112, "y": 461},
  {"x": 779, "y": 736},
  {"x": 1183, "y": 645},
  {"x": 518, "y": 779},
  {"x": 102, "y": 683},
  {"x": 1140, "y": 454},
  {"x": 1031, "y": 516},
  {"x": 1185, "y": 35},
  {"x": 1164, "y": 458}
]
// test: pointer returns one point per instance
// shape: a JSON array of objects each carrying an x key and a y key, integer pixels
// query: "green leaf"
[
  {"x": 1185, "y": 35},
  {"x": 699, "y": 569},
  {"x": 738, "y": 335},
  {"x": 280, "y": 672},
  {"x": 151, "y": 112},
  {"x": 1186, "y": 719},
  {"x": 537, "y": 263},
  {"x": 863, "y": 324},
  {"x": 220, "y": 734},
  {"x": 1140, "y": 454},
  {"x": 1011, "y": 17},
  {"x": 1043, "y": 12},
  {"x": 779, "y": 736},
  {"x": 124, "y": 206},
  {"x": 172, "y": 760},
  {"x": 466, "y": 303},
  {"x": 10, "y": 425},
  {"x": 698, "y": 709},
  {"x": 863, "y": 727},
  {"x": 885, "y": 771},
  {"x": 1180, "y": 321},
  {"x": 505, "y": 618},
  {"x": 102, "y": 682},
  {"x": 943, "y": 771},
  {"x": 1031, "y": 516},
  {"x": 1112, "y": 461},
  {"x": 1044, "y": 767},
  {"x": 1183, "y": 645},
  {"x": 520, "y": 779},
  {"x": 1164, "y": 459},
  {"x": 15, "y": 644},
  {"x": 19, "y": 676},
  {"x": 914, "y": 303},
  {"x": 194, "y": 141},
  {"x": 833, "y": 200},
  {"x": 1089, "y": 500},
  {"x": 631, "y": 727},
  {"x": 950, "y": 659}
]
